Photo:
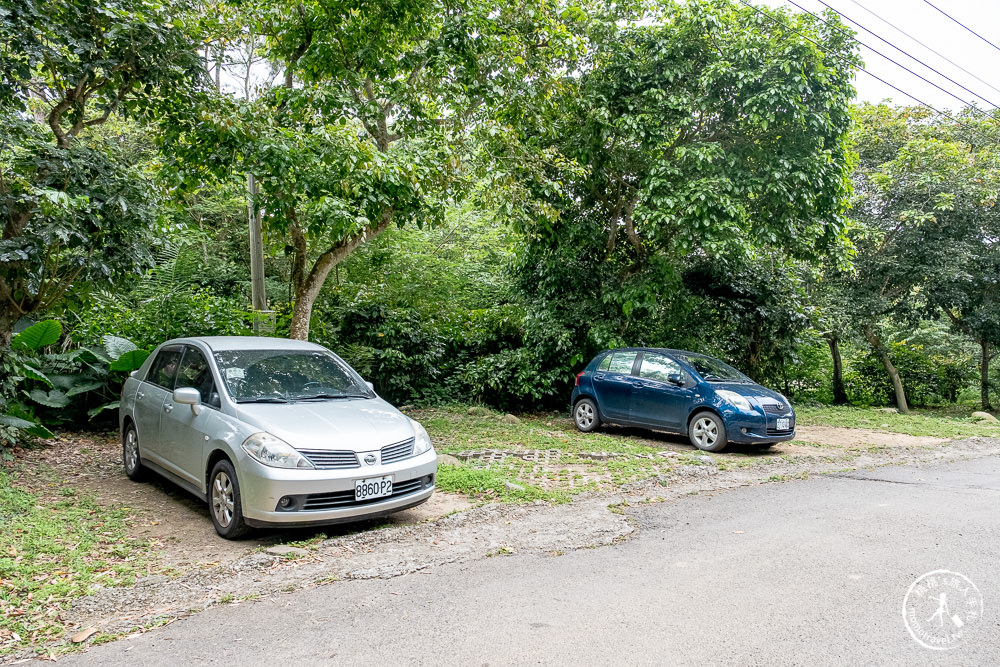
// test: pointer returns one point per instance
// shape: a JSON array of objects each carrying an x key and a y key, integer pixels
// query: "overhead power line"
[
  {"x": 905, "y": 53},
  {"x": 963, "y": 25},
  {"x": 825, "y": 47},
  {"x": 937, "y": 53},
  {"x": 895, "y": 62}
]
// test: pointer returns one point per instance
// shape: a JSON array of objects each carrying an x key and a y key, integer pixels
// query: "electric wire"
[
  {"x": 826, "y": 48},
  {"x": 897, "y": 63},
  {"x": 929, "y": 48},
  {"x": 963, "y": 25},
  {"x": 905, "y": 53}
]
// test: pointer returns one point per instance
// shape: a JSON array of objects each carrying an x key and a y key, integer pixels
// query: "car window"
[
  {"x": 605, "y": 362},
  {"x": 163, "y": 371},
  {"x": 195, "y": 372},
  {"x": 658, "y": 367},
  {"x": 268, "y": 375},
  {"x": 621, "y": 362}
]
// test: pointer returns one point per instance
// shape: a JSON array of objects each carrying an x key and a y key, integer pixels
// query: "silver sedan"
[{"x": 271, "y": 432}]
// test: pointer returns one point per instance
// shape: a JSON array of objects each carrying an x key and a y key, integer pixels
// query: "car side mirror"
[
  {"x": 370, "y": 386},
  {"x": 676, "y": 378},
  {"x": 189, "y": 396}
]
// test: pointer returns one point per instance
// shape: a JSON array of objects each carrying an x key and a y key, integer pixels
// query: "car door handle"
[
  {"x": 599, "y": 376},
  {"x": 168, "y": 407},
  {"x": 140, "y": 395},
  {"x": 637, "y": 383}
]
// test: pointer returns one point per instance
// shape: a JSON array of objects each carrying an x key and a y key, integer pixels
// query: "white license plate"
[
  {"x": 783, "y": 424},
  {"x": 373, "y": 487}
]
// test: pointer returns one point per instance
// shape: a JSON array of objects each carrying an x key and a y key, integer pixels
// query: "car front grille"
[
  {"x": 328, "y": 459},
  {"x": 785, "y": 431},
  {"x": 397, "y": 452},
  {"x": 338, "y": 499},
  {"x": 776, "y": 408}
]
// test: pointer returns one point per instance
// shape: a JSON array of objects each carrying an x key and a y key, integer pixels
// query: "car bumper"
[
  {"x": 317, "y": 497},
  {"x": 758, "y": 429}
]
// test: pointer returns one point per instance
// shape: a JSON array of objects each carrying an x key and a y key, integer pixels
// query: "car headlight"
[
  {"x": 421, "y": 441},
  {"x": 274, "y": 452},
  {"x": 735, "y": 400}
]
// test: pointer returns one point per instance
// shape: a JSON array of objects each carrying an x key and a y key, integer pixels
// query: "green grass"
[
  {"x": 490, "y": 484},
  {"x": 923, "y": 422},
  {"x": 454, "y": 431},
  {"x": 55, "y": 550}
]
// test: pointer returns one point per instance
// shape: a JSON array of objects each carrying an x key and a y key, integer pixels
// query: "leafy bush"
[
  {"x": 40, "y": 383},
  {"x": 927, "y": 379}
]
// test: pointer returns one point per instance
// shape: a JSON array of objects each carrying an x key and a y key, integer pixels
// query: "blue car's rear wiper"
[{"x": 264, "y": 399}]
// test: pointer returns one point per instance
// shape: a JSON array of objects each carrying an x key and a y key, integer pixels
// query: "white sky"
[{"x": 937, "y": 31}]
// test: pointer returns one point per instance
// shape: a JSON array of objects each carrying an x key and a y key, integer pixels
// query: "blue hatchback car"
[{"x": 683, "y": 392}]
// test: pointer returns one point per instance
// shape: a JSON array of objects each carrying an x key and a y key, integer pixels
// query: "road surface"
[{"x": 807, "y": 572}]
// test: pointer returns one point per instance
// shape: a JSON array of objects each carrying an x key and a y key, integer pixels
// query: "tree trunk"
[
  {"x": 984, "y": 375},
  {"x": 8, "y": 318},
  {"x": 883, "y": 355},
  {"x": 839, "y": 395},
  {"x": 307, "y": 288}
]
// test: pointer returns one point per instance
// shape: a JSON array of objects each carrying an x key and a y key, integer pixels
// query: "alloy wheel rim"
[
  {"x": 222, "y": 499},
  {"x": 584, "y": 415},
  {"x": 705, "y": 431},
  {"x": 131, "y": 450}
]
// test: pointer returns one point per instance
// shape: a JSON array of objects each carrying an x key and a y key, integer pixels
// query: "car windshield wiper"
[
  {"x": 264, "y": 399},
  {"x": 326, "y": 396}
]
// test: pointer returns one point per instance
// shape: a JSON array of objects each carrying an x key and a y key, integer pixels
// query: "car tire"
[
  {"x": 707, "y": 432},
  {"x": 585, "y": 415},
  {"x": 131, "y": 457},
  {"x": 224, "y": 501}
]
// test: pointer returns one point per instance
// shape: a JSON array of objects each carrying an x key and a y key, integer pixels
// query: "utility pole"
[{"x": 258, "y": 296}]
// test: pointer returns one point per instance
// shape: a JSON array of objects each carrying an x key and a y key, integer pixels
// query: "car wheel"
[
  {"x": 707, "y": 432},
  {"x": 131, "y": 459},
  {"x": 224, "y": 503},
  {"x": 585, "y": 415}
]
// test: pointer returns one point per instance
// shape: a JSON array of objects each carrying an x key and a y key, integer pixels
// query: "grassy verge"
[
  {"x": 932, "y": 422},
  {"x": 57, "y": 545},
  {"x": 545, "y": 457},
  {"x": 541, "y": 457}
]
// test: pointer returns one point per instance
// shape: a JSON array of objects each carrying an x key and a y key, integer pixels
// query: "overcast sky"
[{"x": 921, "y": 21}]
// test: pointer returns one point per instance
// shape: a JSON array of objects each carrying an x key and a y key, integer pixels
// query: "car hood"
[
  {"x": 358, "y": 425},
  {"x": 749, "y": 390}
]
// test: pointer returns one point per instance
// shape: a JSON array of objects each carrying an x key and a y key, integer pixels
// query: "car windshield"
[
  {"x": 279, "y": 376},
  {"x": 713, "y": 370}
]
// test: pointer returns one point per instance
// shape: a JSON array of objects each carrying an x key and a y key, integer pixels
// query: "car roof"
[
  {"x": 218, "y": 343},
  {"x": 665, "y": 350}
]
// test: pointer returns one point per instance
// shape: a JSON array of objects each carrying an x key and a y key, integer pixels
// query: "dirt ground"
[
  {"x": 206, "y": 570},
  {"x": 182, "y": 528},
  {"x": 178, "y": 522}
]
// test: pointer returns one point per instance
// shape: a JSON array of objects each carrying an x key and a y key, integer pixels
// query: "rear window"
[{"x": 621, "y": 362}]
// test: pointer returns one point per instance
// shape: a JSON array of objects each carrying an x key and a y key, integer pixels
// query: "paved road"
[{"x": 809, "y": 572}]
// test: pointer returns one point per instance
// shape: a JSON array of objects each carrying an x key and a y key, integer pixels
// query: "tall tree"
[
  {"x": 710, "y": 134},
  {"x": 369, "y": 128},
  {"x": 924, "y": 211},
  {"x": 75, "y": 211}
]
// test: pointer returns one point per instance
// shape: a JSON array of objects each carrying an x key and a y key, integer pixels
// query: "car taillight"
[{"x": 577, "y": 383}]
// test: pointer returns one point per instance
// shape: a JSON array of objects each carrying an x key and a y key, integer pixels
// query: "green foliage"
[
  {"x": 42, "y": 384},
  {"x": 929, "y": 379},
  {"x": 37, "y": 336},
  {"x": 74, "y": 208}
]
